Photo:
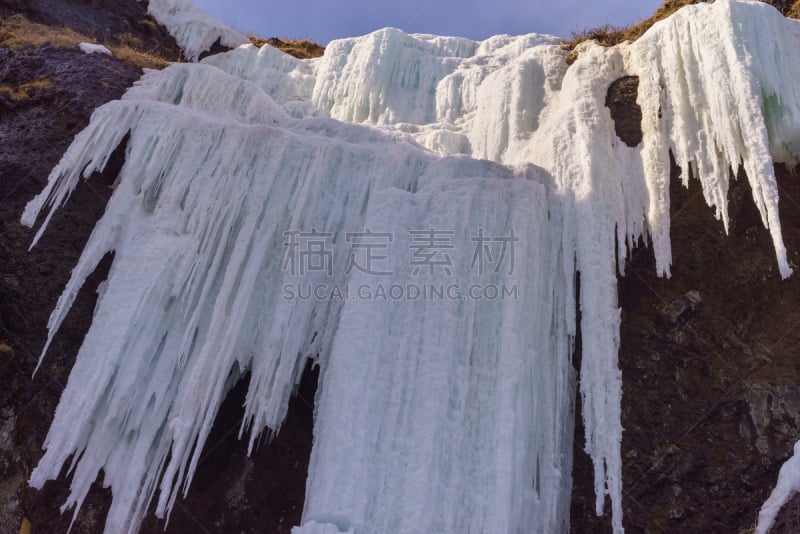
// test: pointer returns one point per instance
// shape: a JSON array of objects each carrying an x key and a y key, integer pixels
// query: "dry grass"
[
  {"x": 131, "y": 49},
  {"x": 139, "y": 58},
  {"x": 606, "y": 35},
  {"x": 22, "y": 92},
  {"x": 794, "y": 11},
  {"x": 301, "y": 49},
  {"x": 17, "y": 32},
  {"x": 611, "y": 35}
]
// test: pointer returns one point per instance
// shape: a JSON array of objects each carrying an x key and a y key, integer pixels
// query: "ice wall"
[
  {"x": 196, "y": 294},
  {"x": 454, "y": 415},
  {"x": 455, "y": 405}
]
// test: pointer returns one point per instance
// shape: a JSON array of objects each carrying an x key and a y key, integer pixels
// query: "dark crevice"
[
  {"x": 110, "y": 175},
  {"x": 626, "y": 113},
  {"x": 216, "y": 48}
]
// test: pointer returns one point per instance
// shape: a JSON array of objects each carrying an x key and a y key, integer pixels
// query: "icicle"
[
  {"x": 194, "y": 30},
  {"x": 467, "y": 402},
  {"x": 714, "y": 123},
  {"x": 788, "y": 484}
]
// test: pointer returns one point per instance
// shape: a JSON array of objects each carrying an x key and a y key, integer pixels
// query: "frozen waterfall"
[{"x": 410, "y": 211}]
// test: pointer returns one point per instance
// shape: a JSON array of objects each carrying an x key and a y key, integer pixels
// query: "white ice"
[
  {"x": 89, "y": 48},
  {"x": 425, "y": 401},
  {"x": 194, "y": 30},
  {"x": 464, "y": 408},
  {"x": 788, "y": 484}
]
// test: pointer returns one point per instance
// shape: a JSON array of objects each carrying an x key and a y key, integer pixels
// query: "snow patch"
[{"x": 89, "y": 48}]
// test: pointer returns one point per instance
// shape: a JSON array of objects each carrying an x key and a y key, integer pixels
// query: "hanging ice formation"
[
  {"x": 434, "y": 414},
  {"x": 194, "y": 30}
]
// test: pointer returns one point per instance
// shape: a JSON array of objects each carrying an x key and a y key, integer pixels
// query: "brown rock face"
[{"x": 34, "y": 132}]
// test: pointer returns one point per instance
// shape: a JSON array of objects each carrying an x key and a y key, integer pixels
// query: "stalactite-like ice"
[
  {"x": 718, "y": 88},
  {"x": 194, "y": 30},
  {"x": 460, "y": 406},
  {"x": 208, "y": 301}
]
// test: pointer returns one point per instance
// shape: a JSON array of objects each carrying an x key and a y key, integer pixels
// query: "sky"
[{"x": 325, "y": 20}]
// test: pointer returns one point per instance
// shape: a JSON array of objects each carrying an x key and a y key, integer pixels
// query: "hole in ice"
[{"x": 626, "y": 113}]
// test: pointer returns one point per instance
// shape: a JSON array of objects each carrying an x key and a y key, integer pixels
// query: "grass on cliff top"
[
  {"x": 609, "y": 35},
  {"x": 301, "y": 49},
  {"x": 17, "y": 32}
]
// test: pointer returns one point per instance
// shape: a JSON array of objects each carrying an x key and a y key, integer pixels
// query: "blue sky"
[{"x": 324, "y": 20}]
